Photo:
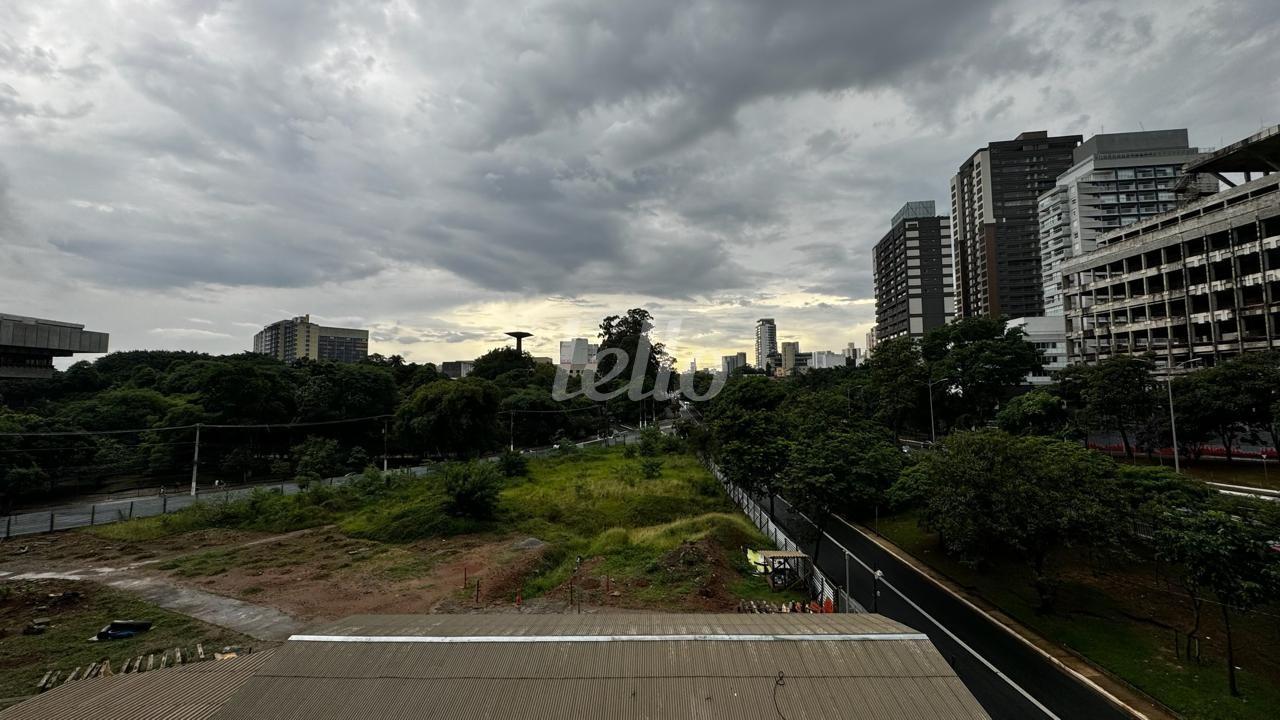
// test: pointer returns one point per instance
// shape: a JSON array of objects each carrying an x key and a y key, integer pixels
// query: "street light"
[
  {"x": 1173, "y": 422},
  {"x": 933, "y": 433}
]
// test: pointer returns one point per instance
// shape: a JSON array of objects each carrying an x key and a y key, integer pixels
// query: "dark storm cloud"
[{"x": 724, "y": 153}]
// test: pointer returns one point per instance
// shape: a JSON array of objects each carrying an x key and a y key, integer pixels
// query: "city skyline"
[{"x": 345, "y": 172}]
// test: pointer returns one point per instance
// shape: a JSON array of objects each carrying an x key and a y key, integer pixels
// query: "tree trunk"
[
  {"x": 1231, "y": 656},
  {"x": 1227, "y": 441},
  {"x": 1193, "y": 634},
  {"x": 1042, "y": 583},
  {"x": 1124, "y": 438}
]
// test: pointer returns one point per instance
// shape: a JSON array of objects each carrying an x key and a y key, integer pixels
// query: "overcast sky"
[{"x": 179, "y": 173}]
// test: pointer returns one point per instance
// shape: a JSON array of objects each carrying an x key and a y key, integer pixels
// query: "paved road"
[{"x": 1015, "y": 681}]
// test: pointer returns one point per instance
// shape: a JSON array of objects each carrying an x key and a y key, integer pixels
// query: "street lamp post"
[
  {"x": 1173, "y": 422},
  {"x": 933, "y": 432}
]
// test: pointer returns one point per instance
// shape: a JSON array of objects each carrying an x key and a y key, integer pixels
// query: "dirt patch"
[
  {"x": 324, "y": 575},
  {"x": 81, "y": 549},
  {"x": 693, "y": 577}
]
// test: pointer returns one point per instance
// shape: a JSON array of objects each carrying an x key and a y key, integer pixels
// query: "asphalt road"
[{"x": 1010, "y": 678}]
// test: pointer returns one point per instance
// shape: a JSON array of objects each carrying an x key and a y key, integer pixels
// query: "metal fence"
[
  {"x": 820, "y": 585},
  {"x": 113, "y": 511}
]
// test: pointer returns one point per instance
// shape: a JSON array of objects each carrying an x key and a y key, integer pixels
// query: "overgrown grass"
[
  {"x": 593, "y": 503},
  {"x": 1122, "y": 625},
  {"x": 24, "y": 659}
]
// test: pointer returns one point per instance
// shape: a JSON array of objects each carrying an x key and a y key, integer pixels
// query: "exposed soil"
[{"x": 692, "y": 578}]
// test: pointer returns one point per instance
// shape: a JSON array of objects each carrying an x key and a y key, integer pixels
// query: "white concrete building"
[
  {"x": 766, "y": 340},
  {"x": 1049, "y": 335},
  {"x": 1117, "y": 179}
]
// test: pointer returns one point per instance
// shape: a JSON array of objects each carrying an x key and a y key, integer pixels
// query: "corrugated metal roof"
[
  {"x": 548, "y": 666},
  {"x": 186, "y": 692},
  {"x": 612, "y": 624},
  {"x": 892, "y": 673}
]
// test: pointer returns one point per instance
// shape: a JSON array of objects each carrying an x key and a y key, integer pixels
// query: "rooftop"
[
  {"x": 1259, "y": 152},
  {"x": 561, "y": 666}
]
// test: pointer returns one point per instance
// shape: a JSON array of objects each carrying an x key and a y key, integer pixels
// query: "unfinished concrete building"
[{"x": 1201, "y": 282}]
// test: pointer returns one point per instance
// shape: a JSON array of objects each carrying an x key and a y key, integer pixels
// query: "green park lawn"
[{"x": 1124, "y": 622}]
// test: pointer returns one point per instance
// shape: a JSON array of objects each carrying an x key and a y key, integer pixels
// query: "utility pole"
[
  {"x": 1173, "y": 422},
  {"x": 511, "y": 430},
  {"x": 195, "y": 462},
  {"x": 384, "y": 447},
  {"x": 1173, "y": 425}
]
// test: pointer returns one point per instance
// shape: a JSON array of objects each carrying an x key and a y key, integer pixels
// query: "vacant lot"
[
  {"x": 1124, "y": 618},
  {"x": 586, "y": 528}
]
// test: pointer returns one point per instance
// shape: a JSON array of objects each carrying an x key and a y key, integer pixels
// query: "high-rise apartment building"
[
  {"x": 766, "y": 341},
  {"x": 995, "y": 222},
  {"x": 789, "y": 352},
  {"x": 1117, "y": 179},
  {"x": 729, "y": 363},
  {"x": 300, "y": 339},
  {"x": 913, "y": 275}
]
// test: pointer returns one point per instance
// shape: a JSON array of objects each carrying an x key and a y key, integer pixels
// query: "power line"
[{"x": 262, "y": 426}]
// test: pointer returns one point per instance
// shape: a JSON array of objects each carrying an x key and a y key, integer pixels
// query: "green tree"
[
  {"x": 501, "y": 361},
  {"x": 839, "y": 470},
  {"x": 1229, "y": 555},
  {"x": 987, "y": 492},
  {"x": 458, "y": 417},
  {"x": 899, "y": 380},
  {"x": 318, "y": 457},
  {"x": 984, "y": 362},
  {"x": 472, "y": 489},
  {"x": 1120, "y": 395},
  {"x": 18, "y": 483},
  {"x": 1038, "y": 412}
]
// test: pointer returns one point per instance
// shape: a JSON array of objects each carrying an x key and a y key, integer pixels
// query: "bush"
[
  {"x": 358, "y": 460},
  {"x": 513, "y": 464},
  {"x": 651, "y": 468},
  {"x": 471, "y": 489},
  {"x": 629, "y": 451},
  {"x": 305, "y": 479}
]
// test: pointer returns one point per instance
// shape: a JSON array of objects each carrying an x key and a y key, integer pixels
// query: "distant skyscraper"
[
  {"x": 825, "y": 359},
  {"x": 789, "y": 352},
  {"x": 1117, "y": 179},
  {"x": 729, "y": 363},
  {"x": 912, "y": 270},
  {"x": 853, "y": 354},
  {"x": 577, "y": 355},
  {"x": 871, "y": 341},
  {"x": 995, "y": 223},
  {"x": 766, "y": 341},
  {"x": 301, "y": 339}
]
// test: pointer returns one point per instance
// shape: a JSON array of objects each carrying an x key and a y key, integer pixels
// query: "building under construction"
[{"x": 1201, "y": 282}]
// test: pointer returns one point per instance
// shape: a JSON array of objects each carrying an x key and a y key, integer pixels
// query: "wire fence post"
[
  {"x": 130, "y": 509},
  {"x": 51, "y": 522},
  {"x": 164, "y": 504},
  {"x": 8, "y": 525},
  {"x": 93, "y": 514}
]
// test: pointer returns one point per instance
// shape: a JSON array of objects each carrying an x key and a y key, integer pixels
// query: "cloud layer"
[{"x": 442, "y": 171}]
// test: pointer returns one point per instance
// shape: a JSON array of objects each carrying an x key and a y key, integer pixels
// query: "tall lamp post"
[
  {"x": 933, "y": 432},
  {"x": 1173, "y": 422}
]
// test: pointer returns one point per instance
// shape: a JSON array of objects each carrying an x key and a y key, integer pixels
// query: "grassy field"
[
  {"x": 1124, "y": 621},
  {"x": 24, "y": 659},
  {"x": 670, "y": 542},
  {"x": 1250, "y": 473}
]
